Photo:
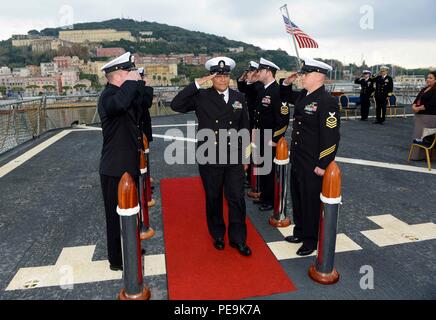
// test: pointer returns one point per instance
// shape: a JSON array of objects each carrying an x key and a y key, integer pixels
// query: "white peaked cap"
[
  {"x": 124, "y": 62},
  {"x": 312, "y": 65},
  {"x": 266, "y": 64},
  {"x": 220, "y": 65}
]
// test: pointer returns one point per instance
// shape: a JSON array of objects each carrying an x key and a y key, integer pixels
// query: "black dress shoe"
[
  {"x": 219, "y": 244},
  {"x": 116, "y": 268},
  {"x": 242, "y": 248},
  {"x": 304, "y": 251},
  {"x": 293, "y": 239},
  {"x": 266, "y": 207}
]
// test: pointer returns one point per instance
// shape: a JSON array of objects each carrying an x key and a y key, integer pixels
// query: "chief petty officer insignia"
[
  {"x": 331, "y": 121},
  {"x": 284, "y": 109}
]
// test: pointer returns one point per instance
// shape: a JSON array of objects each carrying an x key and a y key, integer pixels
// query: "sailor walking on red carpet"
[{"x": 221, "y": 109}]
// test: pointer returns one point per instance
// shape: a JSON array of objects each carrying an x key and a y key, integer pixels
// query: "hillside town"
[{"x": 69, "y": 75}]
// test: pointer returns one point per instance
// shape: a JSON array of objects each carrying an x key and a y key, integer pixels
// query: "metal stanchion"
[
  {"x": 128, "y": 209},
  {"x": 279, "y": 218},
  {"x": 145, "y": 231},
  {"x": 324, "y": 271},
  {"x": 150, "y": 200}
]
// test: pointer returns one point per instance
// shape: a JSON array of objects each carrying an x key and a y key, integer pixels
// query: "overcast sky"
[{"x": 401, "y": 32}]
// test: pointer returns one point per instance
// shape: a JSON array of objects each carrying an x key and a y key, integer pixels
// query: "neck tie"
[{"x": 223, "y": 96}]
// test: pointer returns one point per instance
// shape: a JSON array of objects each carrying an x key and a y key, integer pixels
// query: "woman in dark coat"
[{"x": 424, "y": 107}]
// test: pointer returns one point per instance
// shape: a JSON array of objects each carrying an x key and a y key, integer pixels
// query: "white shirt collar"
[
  {"x": 226, "y": 95},
  {"x": 266, "y": 86}
]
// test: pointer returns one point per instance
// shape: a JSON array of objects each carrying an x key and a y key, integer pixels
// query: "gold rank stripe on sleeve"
[
  {"x": 326, "y": 152},
  {"x": 331, "y": 121},
  {"x": 279, "y": 132}
]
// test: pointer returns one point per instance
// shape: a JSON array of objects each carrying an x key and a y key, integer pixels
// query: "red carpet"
[{"x": 195, "y": 269}]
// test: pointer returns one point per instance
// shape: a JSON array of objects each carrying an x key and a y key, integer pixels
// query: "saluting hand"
[
  {"x": 205, "y": 79},
  {"x": 243, "y": 76},
  {"x": 133, "y": 75},
  {"x": 291, "y": 78}
]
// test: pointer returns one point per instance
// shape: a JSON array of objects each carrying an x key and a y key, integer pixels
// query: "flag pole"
[{"x": 284, "y": 9}]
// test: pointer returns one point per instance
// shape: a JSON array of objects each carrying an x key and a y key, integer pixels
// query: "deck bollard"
[
  {"x": 279, "y": 218},
  {"x": 128, "y": 209},
  {"x": 323, "y": 271}
]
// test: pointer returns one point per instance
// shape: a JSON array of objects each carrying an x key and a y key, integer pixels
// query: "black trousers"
[
  {"x": 380, "y": 109},
  {"x": 230, "y": 181},
  {"x": 305, "y": 192},
  {"x": 267, "y": 181},
  {"x": 109, "y": 186},
  {"x": 364, "y": 107}
]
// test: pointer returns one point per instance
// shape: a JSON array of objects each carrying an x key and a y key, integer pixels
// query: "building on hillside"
[
  {"x": 34, "y": 70},
  {"x": 21, "y": 72},
  {"x": 95, "y": 35},
  {"x": 5, "y": 71},
  {"x": 160, "y": 74},
  {"x": 69, "y": 77},
  {"x": 109, "y": 52},
  {"x": 48, "y": 69},
  {"x": 236, "y": 50}
]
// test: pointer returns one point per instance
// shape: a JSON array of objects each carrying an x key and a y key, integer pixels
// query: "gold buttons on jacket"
[{"x": 216, "y": 121}]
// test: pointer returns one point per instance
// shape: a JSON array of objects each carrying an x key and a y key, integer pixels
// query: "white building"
[
  {"x": 69, "y": 77},
  {"x": 21, "y": 72},
  {"x": 48, "y": 69},
  {"x": 410, "y": 80},
  {"x": 236, "y": 50},
  {"x": 5, "y": 71}
]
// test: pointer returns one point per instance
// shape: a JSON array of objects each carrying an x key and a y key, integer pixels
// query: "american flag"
[{"x": 304, "y": 41}]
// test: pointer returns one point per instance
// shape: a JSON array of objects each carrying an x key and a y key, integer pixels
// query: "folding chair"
[{"x": 428, "y": 146}]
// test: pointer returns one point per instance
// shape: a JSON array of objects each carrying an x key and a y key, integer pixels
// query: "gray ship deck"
[{"x": 53, "y": 201}]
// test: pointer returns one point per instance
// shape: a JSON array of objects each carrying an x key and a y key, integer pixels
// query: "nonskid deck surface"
[{"x": 52, "y": 228}]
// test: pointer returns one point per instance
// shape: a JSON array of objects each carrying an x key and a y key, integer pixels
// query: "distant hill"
[{"x": 172, "y": 40}]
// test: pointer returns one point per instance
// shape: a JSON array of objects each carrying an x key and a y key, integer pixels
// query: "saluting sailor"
[
  {"x": 315, "y": 140},
  {"x": 384, "y": 86},
  {"x": 366, "y": 90},
  {"x": 271, "y": 114},
  {"x": 220, "y": 108},
  {"x": 249, "y": 85},
  {"x": 120, "y": 107}
]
